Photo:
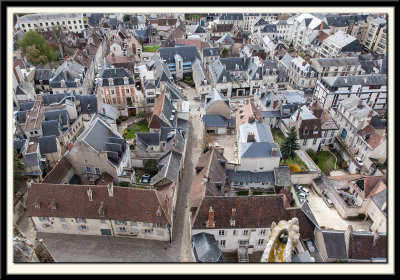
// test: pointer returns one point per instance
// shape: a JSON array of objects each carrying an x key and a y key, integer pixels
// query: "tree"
[
  {"x": 126, "y": 18},
  {"x": 224, "y": 53},
  {"x": 33, "y": 38},
  {"x": 151, "y": 166},
  {"x": 294, "y": 167},
  {"x": 34, "y": 56},
  {"x": 290, "y": 145},
  {"x": 19, "y": 169}
]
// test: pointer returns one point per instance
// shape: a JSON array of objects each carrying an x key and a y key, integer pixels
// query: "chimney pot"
[{"x": 210, "y": 218}]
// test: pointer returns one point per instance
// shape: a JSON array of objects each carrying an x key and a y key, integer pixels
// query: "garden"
[
  {"x": 150, "y": 48},
  {"x": 130, "y": 131},
  {"x": 327, "y": 161}
]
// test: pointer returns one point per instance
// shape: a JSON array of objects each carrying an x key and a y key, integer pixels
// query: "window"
[
  {"x": 121, "y": 229},
  {"x": 234, "y": 232},
  {"x": 315, "y": 141},
  {"x": 147, "y": 231},
  {"x": 221, "y": 232},
  {"x": 260, "y": 242},
  {"x": 373, "y": 212},
  {"x": 119, "y": 222},
  {"x": 62, "y": 220},
  {"x": 47, "y": 226},
  {"x": 305, "y": 132},
  {"x": 127, "y": 90},
  {"x": 82, "y": 227},
  {"x": 245, "y": 232},
  {"x": 65, "y": 226},
  {"x": 97, "y": 170},
  {"x": 87, "y": 169},
  {"x": 262, "y": 232},
  {"x": 44, "y": 219},
  {"x": 305, "y": 142},
  {"x": 222, "y": 243},
  {"x": 80, "y": 220}
]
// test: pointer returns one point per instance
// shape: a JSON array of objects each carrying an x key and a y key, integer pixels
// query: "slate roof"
[
  {"x": 380, "y": 199},
  {"x": 73, "y": 70},
  {"x": 231, "y": 62},
  {"x": 31, "y": 159},
  {"x": 282, "y": 176},
  {"x": 225, "y": 40},
  {"x": 205, "y": 248},
  {"x": 257, "y": 149},
  {"x": 21, "y": 117},
  {"x": 54, "y": 98},
  {"x": 98, "y": 135},
  {"x": 303, "y": 257},
  {"x": 340, "y": 61},
  {"x": 218, "y": 71},
  {"x": 262, "y": 132},
  {"x": 56, "y": 114},
  {"x": 199, "y": 74},
  {"x": 88, "y": 104},
  {"x": 210, "y": 52},
  {"x": 168, "y": 166},
  {"x": 117, "y": 74},
  {"x": 271, "y": 114},
  {"x": 163, "y": 111},
  {"x": 47, "y": 144},
  {"x": 94, "y": 19},
  {"x": 19, "y": 145},
  {"x": 189, "y": 53},
  {"x": 269, "y": 28},
  {"x": 145, "y": 139},
  {"x": 108, "y": 112},
  {"x": 335, "y": 244},
  {"x": 214, "y": 96},
  {"x": 26, "y": 106},
  {"x": 215, "y": 121},
  {"x": 50, "y": 128},
  {"x": 42, "y": 73},
  {"x": 229, "y": 16},
  {"x": 250, "y": 177}
]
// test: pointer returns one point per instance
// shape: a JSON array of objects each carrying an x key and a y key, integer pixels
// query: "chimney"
[
  {"x": 90, "y": 194},
  {"x": 250, "y": 137},
  {"x": 321, "y": 26},
  {"x": 298, "y": 112},
  {"x": 210, "y": 222},
  {"x": 104, "y": 111},
  {"x": 250, "y": 192},
  {"x": 110, "y": 188},
  {"x": 101, "y": 210},
  {"x": 274, "y": 151},
  {"x": 70, "y": 146},
  {"x": 252, "y": 119},
  {"x": 304, "y": 63},
  {"x": 275, "y": 104},
  {"x": 112, "y": 55},
  {"x": 233, "y": 216}
]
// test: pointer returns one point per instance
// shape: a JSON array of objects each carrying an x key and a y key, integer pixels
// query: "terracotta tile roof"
[
  {"x": 362, "y": 247},
  {"x": 104, "y": 179},
  {"x": 200, "y": 45},
  {"x": 370, "y": 182},
  {"x": 374, "y": 138},
  {"x": 83, "y": 58},
  {"x": 208, "y": 171},
  {"x": 310, "y": 125},
  {"x": 155, "y": 121},
  {"x": 167, "y": 22},
  {"x": 127, "y": 204},
  {"x": 322, "y": 36},
  {"x": 249, "y": 110},
  {"x": 58, "y": 172},
  {"x": 381, "y": 186}
]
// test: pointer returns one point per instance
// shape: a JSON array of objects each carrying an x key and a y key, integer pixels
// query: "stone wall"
[{"x": 305, "y": 177}]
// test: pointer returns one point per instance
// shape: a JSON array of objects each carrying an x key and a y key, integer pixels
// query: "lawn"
[
  {"x": 326, "y": 162},
  {"x": 130, "y": 131},
  {"x": 150, "y": 48},
  {"x": 278, "y": 136}
]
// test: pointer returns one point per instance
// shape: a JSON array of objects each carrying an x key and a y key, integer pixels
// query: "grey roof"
[
  {"x": 174, "y": 92},
  {"x": 19, "y": 145},
  {"x": 335, "y": 244},
  {"x": 94, "y": 19},
  {"x": 54, "y": 98},
  {"x": 373, "y": 66},
  {"x": 294, "y": 97},
  {"x": 145, "y": 139},
  {"x": 215, "y": 121},
  {"x": 21, "y": 117},
  {"x": 183, "y": 125},
  {"x": 210, "y": 52},
  {"x": 50, "y": 128},
  {"x": 257, "y": 149},
  {"x": 168, "y": 168},
  {"x": 205, "y": 248},
  {"x": 31, "y": 159},
  {"x": 282, "y": 176},
  {"x": 320, "y": 183},
  {"x": 20, "y": 91},
  {"x": 194, "y": 29},
  {"x": 262, "y": 132},
  {"x": 188, "y": 53},
  {"x": 26, "y": 106},
  {"x": 309, "y": 214},
  {"x": 56, "y": 114},
  {"x": 108, "y": 112},
  {"x": 88, "y": 104},
  {"x": 271, "y": 114},
  {"x": 343, "y": 61},
  {"x": 250, "y": 177},
  {"x": 253, "y": 70},
  {"x": 373, "y": 79},
  {"x": 98, "y": 135},
  {"x": 199, "y": 74},
  {"x": 226, "y": 40},
  {"x": 117, "y": 74},
  {"x": 269, "y": 28},
  {"x": 48, "y": 16},
  {"x": 231, "y": 62},
  {"x": 214, "y": 96},
  {"x": 286, "y": 60},
  {"x": 218, "y": 71},
  {"x": 69, "y": 71},
  {"x": 379, "y": 199},
  {"x": 377, "y": 123},
  {"x": 229, "y": 16},
  {"x": 42, "y": 74},
  {"x": 344, "y": 20},
  {"x": 303, "y": 257},
  {"x": 47, "y": 144}
]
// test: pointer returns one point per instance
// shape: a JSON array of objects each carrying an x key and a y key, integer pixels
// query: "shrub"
[
  {"x": 312, "y": 154},
  {"x": 151, "y": 166},
  {"x": 294, "y": 167},
  {"x": 361, "y": 216},
  {"x": 132, "y": 147},
  {"x": 345, "y": 165},
  {"x": 118, "y": 121},
  {"x": 125, "y": 184}
]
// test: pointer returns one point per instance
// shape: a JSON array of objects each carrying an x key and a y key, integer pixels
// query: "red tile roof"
[
  {"x": 127, "y": 204},
  {"x": 58, "y": 172},
  {"x": 200, "y": 45},
  {"x": 249, "y": 110},
  {"x": 374, "y": 139}
]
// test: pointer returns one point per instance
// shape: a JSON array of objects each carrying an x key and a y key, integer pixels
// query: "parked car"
[
  {"x": 310, "y": 246},
  {"x": 302, "y": 200},
  {"x": 301, "y": 195},
  {"x": 359, "y": 161},
  {"x": 304, "y": 190},
  {"x": 137, "y": 86},
  {"x": 146, "y": 178},
  {"x": 328, "y": 201},
  {"x": 296, "y": 187}
]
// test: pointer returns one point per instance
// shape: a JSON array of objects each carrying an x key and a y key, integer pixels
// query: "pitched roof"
[
  {"x": 371, "y": 136},
  {"x": 258, "y": 149},
  {"x": 50, "y": 128},
  {"x": 250, "y": 177},
  {"x": 127, "y": 204},
  {"x": 215, "y": 121},
  {"x": 59, "y": 171},
  {"x": 88, "y": 103},
  {"x": 282, "y": 176},
  {"x": 168, "y": 166},
  {"x": 200, "y": 45},
  {"x": 205, "y": 248},
  {"x": 188, "y": 53},
  {"x": 48, "y": 144},
  {"x": 335, "y": 245},
  {"x": 362, "y": 247},
  {"x": 215, "y": 96}
]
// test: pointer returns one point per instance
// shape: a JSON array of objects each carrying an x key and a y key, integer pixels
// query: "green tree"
[
  {"x": 19, "y": 169},
  {"x": 126, "y": 18},
  {"x": 290, "y": 145},
  {"x": 34, "y": 56},
  {"x": 33, "y": 38},
  {"x": 224, "y": 53},
  {"x": 151, "y": 166}
]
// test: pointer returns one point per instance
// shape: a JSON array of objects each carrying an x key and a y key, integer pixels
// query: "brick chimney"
[
  {"x": 70, "y": 146},
  {"x": 90, "y": 194},
  {"x": 321, "y": 26},
  {"x": 274, "y": 151},
  {"x": 275, "y": 104},
  {"x": 210, "y": 222},
  {"x": 250, "y": 137},
  {"x": 110, "y": 188}
]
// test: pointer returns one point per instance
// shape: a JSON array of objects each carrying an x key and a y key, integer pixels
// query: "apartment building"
[
  {"x": 302, "y": 75},
  {"x": 68, "y": 22},
  {"x": 375, "y": 36},
  {"x": 340, "y": 44},
  {"x": 341, "y": 66}
]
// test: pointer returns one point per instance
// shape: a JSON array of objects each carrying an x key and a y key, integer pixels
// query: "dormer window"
[
  {"x": 110, "y": 81},
  {"x": 78, "y": 82},
  {"x": 126, "y": 81},
  {"x": 224, "y": 79},
  {"x": 305, "y": 132},
  {"x": 236, "y": 67},
  {"x": 62, "y": 83}
]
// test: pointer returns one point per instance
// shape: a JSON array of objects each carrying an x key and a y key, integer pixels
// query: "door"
[{"x": 106, "y": 232}]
